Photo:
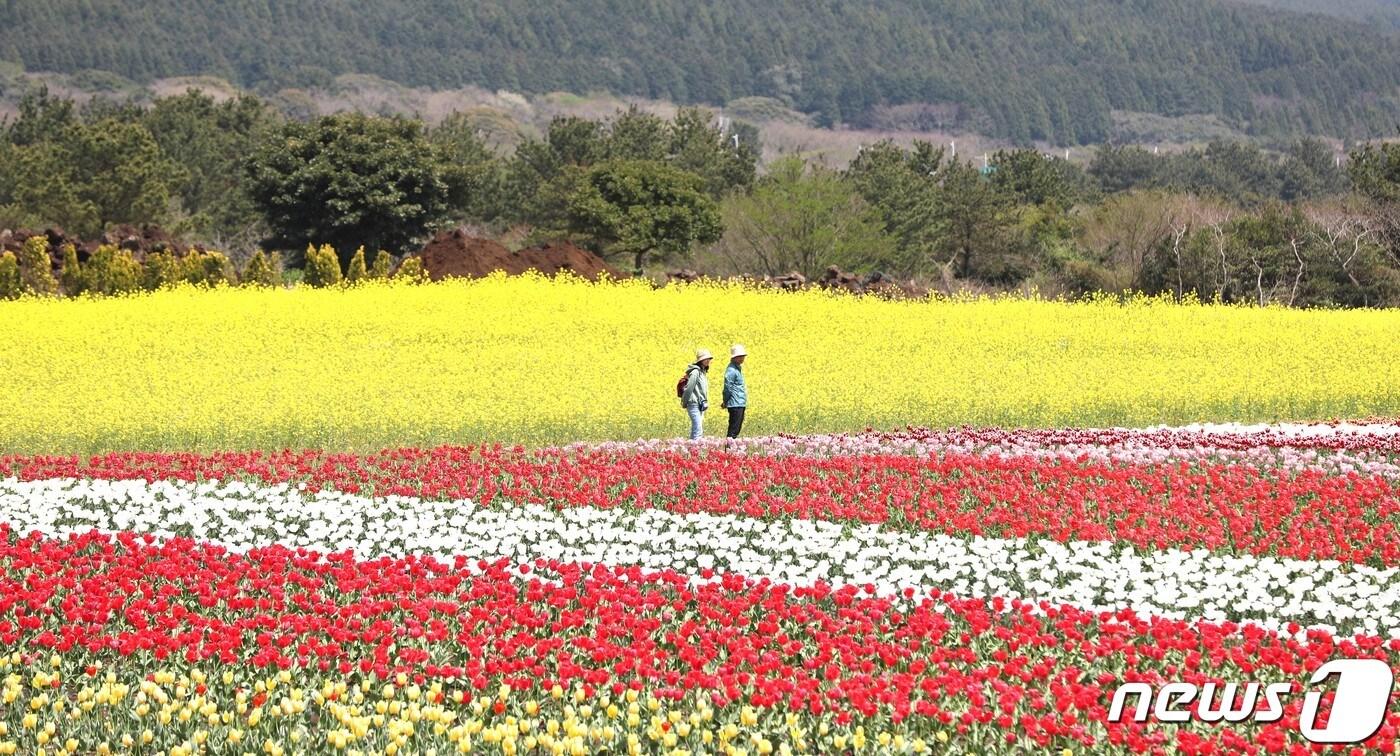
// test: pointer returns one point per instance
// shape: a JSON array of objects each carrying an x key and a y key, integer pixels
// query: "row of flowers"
[
  {"x": 1366, "y": 449},
  {"x": 960, "y": 590},
  {"x": 123, "y": 640},
  {"x": 1100, "y": 575},
  {"x": 1228, "y": 508}
]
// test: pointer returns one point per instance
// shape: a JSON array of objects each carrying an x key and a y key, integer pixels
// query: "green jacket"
[{"x": 697, "y": 388}]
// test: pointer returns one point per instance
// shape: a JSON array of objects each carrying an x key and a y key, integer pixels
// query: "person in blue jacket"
[{"x": 736, "y": 394}]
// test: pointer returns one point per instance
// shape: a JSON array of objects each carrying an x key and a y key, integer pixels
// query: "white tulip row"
[
  {"x": 1300, "y": 430},
  {"x": 1098, "y": 576}
]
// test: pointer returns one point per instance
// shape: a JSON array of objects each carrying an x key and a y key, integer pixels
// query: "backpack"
[{"x": 680, "y": 385}]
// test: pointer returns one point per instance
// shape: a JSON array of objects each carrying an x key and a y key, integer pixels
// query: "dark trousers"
[{"x": 736, "y": 421}]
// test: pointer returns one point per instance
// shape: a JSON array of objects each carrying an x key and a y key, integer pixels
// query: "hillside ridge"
[{"x": 1025, "y": 70}]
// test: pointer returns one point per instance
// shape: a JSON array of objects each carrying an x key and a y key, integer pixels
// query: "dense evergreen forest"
[
  {"x": 1051, "y": 70},
  {"x": 1383, "y": 13}
]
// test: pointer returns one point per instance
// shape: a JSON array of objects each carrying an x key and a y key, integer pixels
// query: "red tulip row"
[
  {"x": 1355, "y": 439},
  {"x": 1232, "y": 508},
  {"x": 1043, "y": 674}
]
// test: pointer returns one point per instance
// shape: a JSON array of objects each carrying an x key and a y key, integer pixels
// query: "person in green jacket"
[
  {"x": 696, "y": 396},
  {"x": 736, "y": 394}
]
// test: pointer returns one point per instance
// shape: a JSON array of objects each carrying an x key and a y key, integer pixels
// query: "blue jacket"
[{"x": 736, "y": 394}]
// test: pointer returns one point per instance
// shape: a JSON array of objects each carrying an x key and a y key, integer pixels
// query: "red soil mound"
[
  {"x": 458, "y": 254},
  {"x": 554, "y": 257}
]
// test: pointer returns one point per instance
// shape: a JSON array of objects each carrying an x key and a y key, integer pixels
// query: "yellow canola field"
[{"x": 536, "y": 361}]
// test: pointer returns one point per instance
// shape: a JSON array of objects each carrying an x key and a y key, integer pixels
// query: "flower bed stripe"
[
  {"x": 1370, "y": 449},
  {"x": 778, "y": 660},
  {"x": 1236, "y": 509},
  {"x": 1093, "y": 576}
]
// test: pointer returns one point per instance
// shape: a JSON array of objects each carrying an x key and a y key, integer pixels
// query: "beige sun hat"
[
  {"x": 703, "y": 354},
  {"x": 737, "y": 351}
]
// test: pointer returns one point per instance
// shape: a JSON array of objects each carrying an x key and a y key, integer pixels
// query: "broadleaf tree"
[
  {"x": 349, "y": 180},
  {"x": 644, "y": 209},
  {"x": 802, "y": 218}
]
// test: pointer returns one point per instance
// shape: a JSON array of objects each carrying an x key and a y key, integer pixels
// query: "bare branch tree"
[
  {"x": 1215, "y": 218},
  {"x": 1342, "y": 231},
  {"x": 1259, "y": 276},
  {"x": 1178, "y": 235},
  {"x": 1293, "y": 295},
  {"x": 1127, "y": 228}
]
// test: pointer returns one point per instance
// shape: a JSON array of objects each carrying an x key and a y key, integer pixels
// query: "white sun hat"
[
  {"x": 703, "y": 354},
  {"x": 737, "y": 351}
]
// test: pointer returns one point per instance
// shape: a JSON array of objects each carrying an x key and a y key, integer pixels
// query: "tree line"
[
  {"x": 111, "y": 270},
  {"x": 1229, "y": 221},
  {"x": 1379, "y": 13},
  {"x": 1025, "y": 70}
]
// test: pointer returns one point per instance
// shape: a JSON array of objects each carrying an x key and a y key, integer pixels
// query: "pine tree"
[
  {"x": 159, "y": 270},
  {"x": 356, "y": 271},
  {"x": 36, "y": 267},
  {"x": 260, "y": 270},
  {"x": 274, "y": 261},
  {"x": 208, "y": 268},
  {"x": 9, "y": 276},
  {"x": 322, "y": 266},
  {"x": 383, "y": 261},
  {"x": 411, "y": 270},
  {"x": 111, "y": 270},
  {"x": 72, "y": 277}
]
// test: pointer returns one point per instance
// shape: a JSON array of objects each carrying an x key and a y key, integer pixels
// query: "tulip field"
[{"x": 418, "y": 519}]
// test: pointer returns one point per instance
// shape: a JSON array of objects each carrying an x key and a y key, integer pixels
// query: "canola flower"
[{"x": 538, "y": 361}]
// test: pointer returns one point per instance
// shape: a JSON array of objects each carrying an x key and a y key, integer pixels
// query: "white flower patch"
[
  {"x": 1304, "y": 430},
  {"x": 1093, "y": 575}
]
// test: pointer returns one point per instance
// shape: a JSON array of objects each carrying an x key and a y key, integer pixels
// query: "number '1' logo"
[
  {"x": 1358, "y": 708},
  {"x": 1357, "y": 713}
]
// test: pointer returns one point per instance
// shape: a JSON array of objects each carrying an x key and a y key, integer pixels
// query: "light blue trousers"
[{"x": 697, "y": 420}]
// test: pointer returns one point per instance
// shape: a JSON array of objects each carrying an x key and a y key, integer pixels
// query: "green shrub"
[
  {"x": 322, "y": 266},
  {"x": 263, "y": 270},
  {"x": 36, "y": 267},
  {"x": 112, "y": 271},
  {"x": 72, "y": 277},
  {"x": 279, "y": 269},
  {"x": 208, "y": 268},
  {"x": 160, "y": 269},
  {"x": 9, "y": 276},
  {"x": 1082, "y": 277},
  {"x": 356, "y": 271},
  {"x": 383, "y": 261},
  {"x": 412, "y": 269}
]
